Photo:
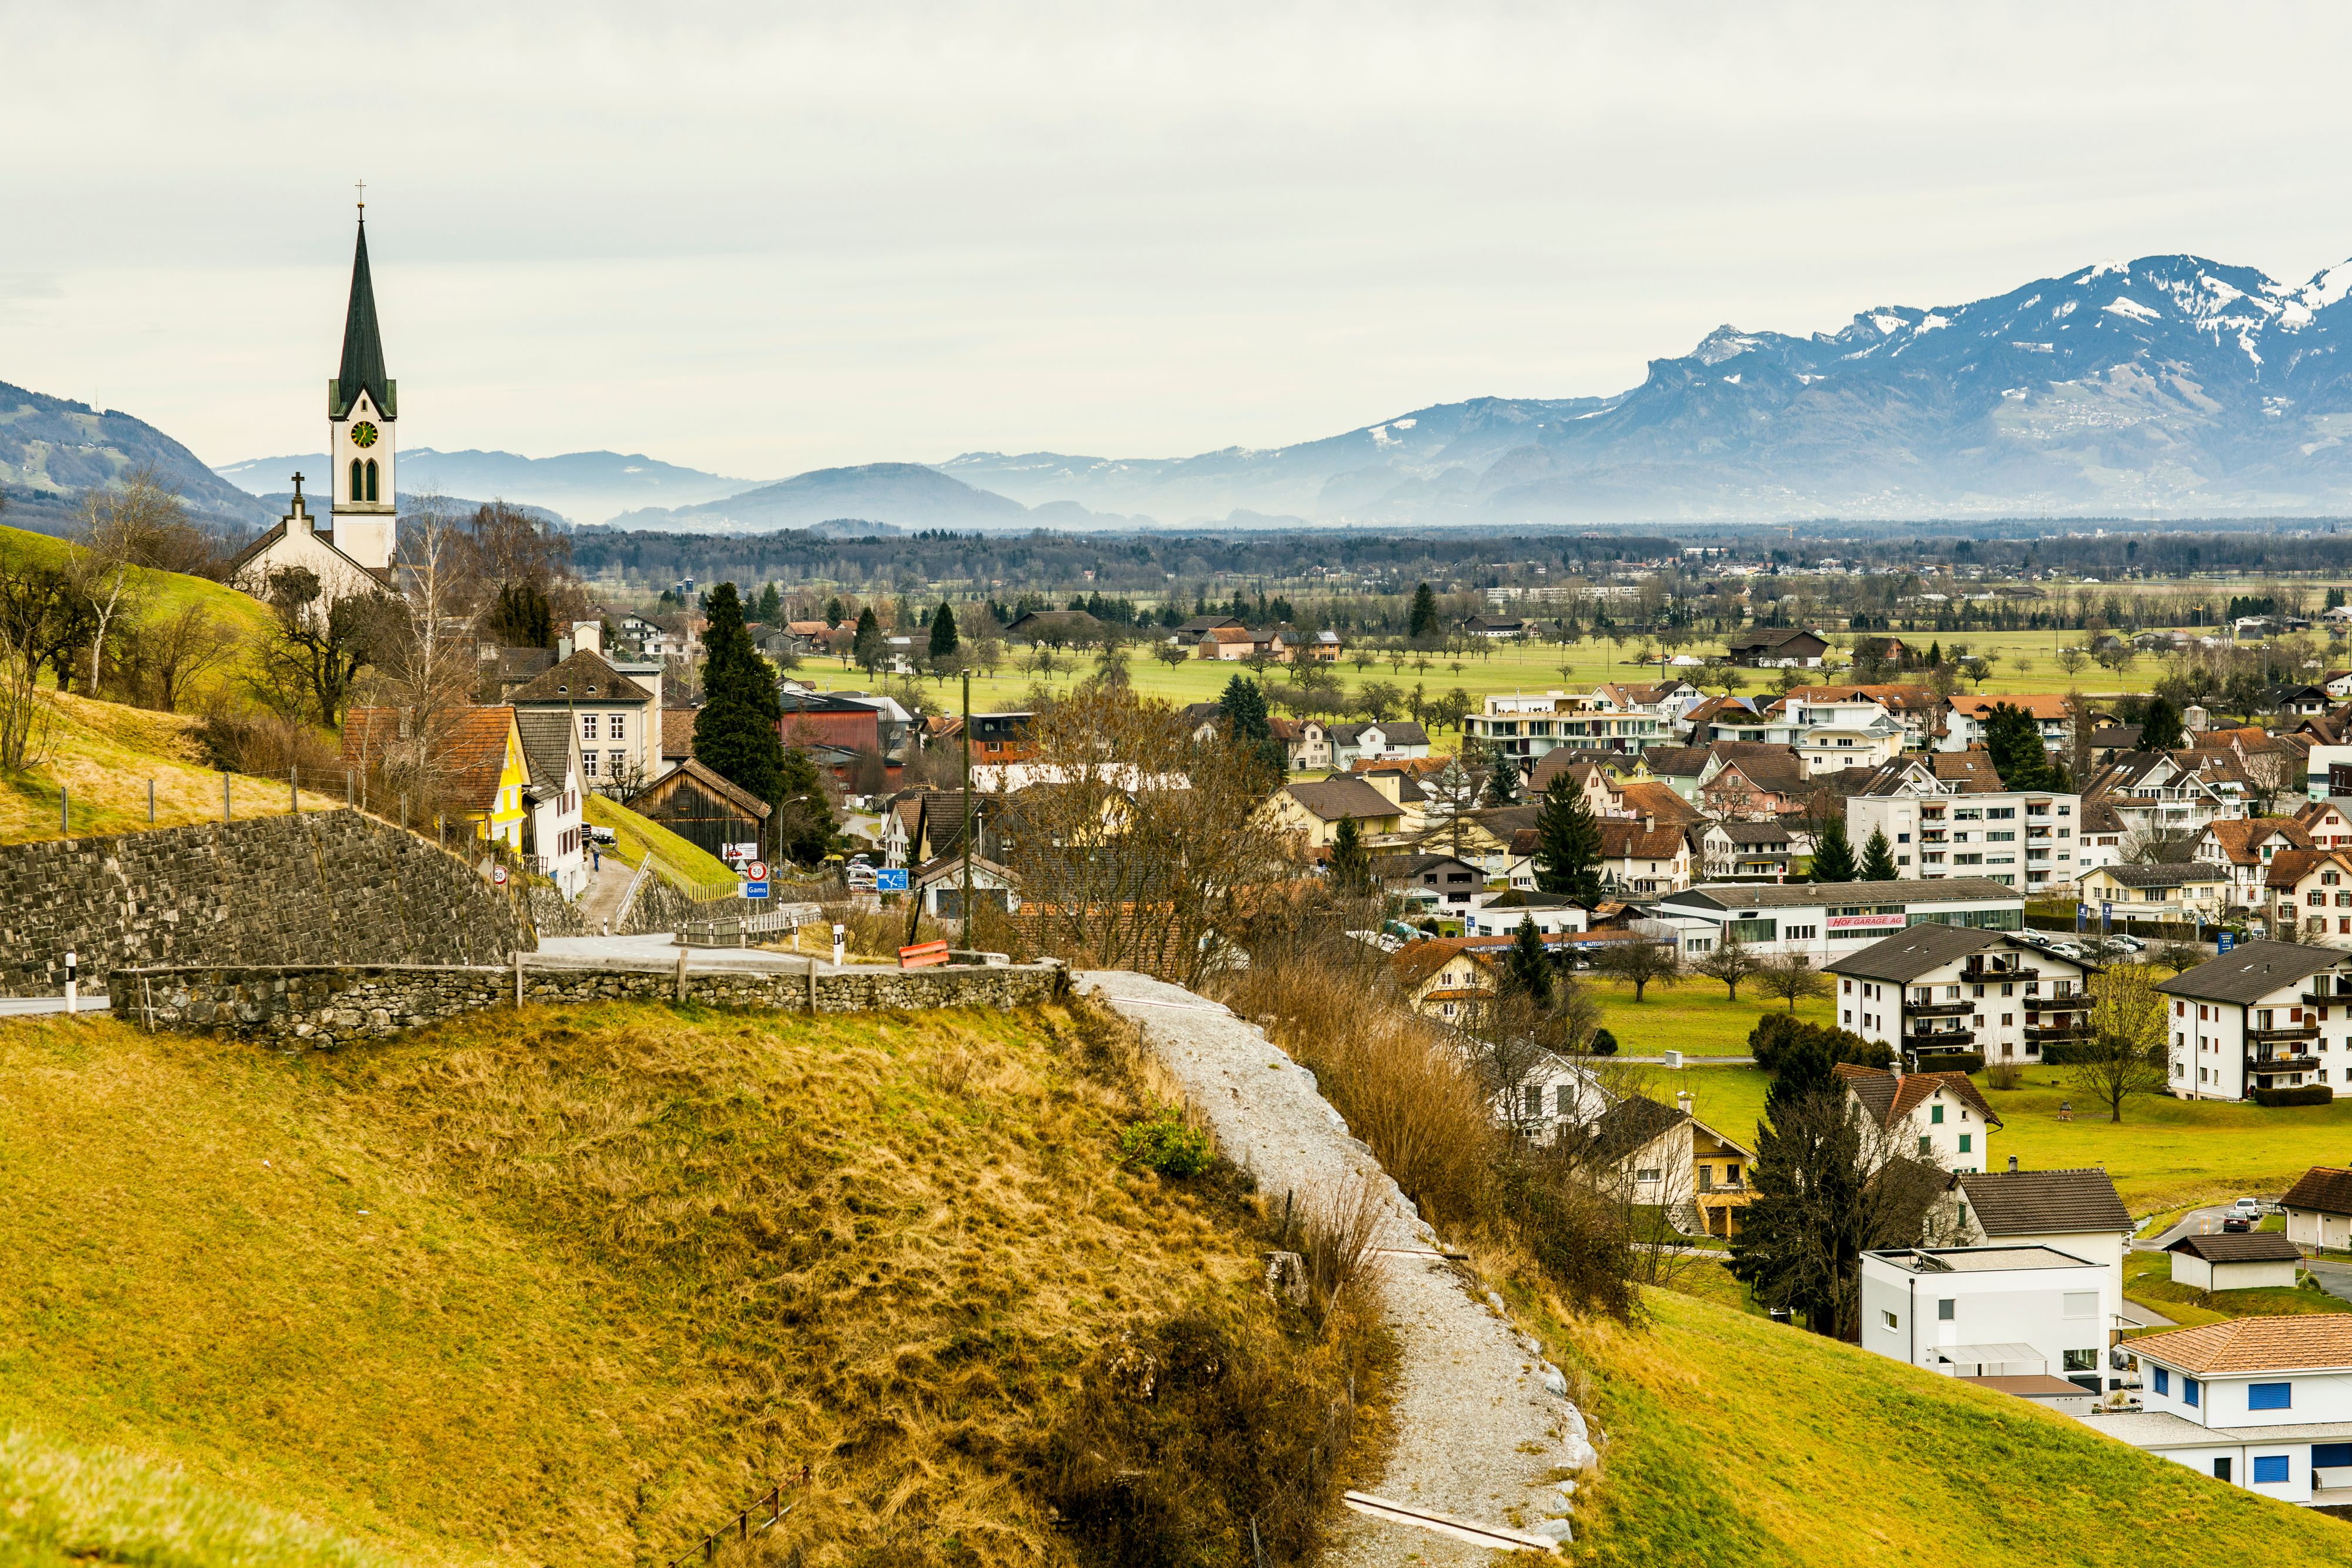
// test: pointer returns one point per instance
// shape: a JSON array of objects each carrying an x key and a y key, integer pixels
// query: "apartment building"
[
  {"x": 2258, "y": 1017},
  {"x": 1824, "y": 919},
  {"x": 1526, "y": 727},
  {"x": 1933, "y": 990},
  {"x": 1948, "y": 816}
]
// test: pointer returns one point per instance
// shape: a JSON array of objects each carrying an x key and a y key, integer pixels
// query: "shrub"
[
  {"x": 2067, "y": 1052},
  {"x": 1161, "y": 1142},
  {"x": 266, "y": 744},
  {"x": 2004, "y": 1075},
  {"x": 1775, "y": 1032},
  {"x": 1603, "y": 1043},
  {"x": 1951, "y": 1061},
  {"x": 2309, "y": 1094}
]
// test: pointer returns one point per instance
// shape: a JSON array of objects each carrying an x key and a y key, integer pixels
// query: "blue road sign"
[
  {"x": 2225, "y": 941},
  {"x": 755, "y": 890},
  {"x": 890, "y": 879}
]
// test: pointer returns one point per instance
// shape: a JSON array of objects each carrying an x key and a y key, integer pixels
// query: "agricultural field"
[{"x": 1692, "y": 1017}]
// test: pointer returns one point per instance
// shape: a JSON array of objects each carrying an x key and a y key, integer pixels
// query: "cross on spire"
[{"x": 363, "y": 190}]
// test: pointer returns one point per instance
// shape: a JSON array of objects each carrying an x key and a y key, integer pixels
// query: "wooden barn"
[{"x": 704, "y": 808}]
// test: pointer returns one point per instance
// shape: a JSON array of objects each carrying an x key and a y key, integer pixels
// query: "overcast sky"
[{"x": 778, "y": 238}]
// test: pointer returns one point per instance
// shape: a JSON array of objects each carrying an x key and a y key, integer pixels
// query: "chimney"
[
  {"x": 2012, "y": 1164},
  {"x": 1649, "y": 823},
  {"x": 1683, "y": 1101},
  {"x": 588, "y": 635}
]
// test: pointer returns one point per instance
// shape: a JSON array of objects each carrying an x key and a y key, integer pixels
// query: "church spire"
[{"x": 362, "y": 367}]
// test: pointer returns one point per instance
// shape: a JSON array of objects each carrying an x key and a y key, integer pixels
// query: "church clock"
[{"x": 363, "y": 434}]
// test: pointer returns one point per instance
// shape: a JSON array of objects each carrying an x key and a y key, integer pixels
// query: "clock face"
[{"x": 363, "y": 434}]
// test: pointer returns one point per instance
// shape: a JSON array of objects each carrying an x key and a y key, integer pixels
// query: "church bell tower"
[{"x": 363, "y": 403}]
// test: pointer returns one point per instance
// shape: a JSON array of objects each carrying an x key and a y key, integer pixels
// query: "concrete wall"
[
  {"x": 323, "y": 887},
  {"x": 316, "y": 1006}
]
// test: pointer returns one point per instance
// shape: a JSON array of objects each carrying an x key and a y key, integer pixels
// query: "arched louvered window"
[
  {"x": 357, "y": 479},
  {"x": 371, "y": 478}
]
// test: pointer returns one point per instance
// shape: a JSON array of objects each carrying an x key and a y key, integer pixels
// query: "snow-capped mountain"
[{"x": 2167, "y": 385}]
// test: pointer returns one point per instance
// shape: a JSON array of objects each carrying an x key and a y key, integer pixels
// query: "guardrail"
[{"x": 744, "y": 931}]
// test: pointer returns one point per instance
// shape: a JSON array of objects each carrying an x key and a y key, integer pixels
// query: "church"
[{"x": 352, "y": 553}]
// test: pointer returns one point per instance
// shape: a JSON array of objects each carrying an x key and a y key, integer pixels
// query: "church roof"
[{"x": 362, "y": 367}]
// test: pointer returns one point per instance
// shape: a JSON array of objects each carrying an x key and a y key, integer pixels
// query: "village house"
[
  {"x": 554, "y": 834},
  {"x": 1442, "y": 978},
  {"x": 1441, "y": 884},
  {"x": 1967, "y": 719},
  {"x": 478, "y": 763},
  {"x": 2160, "y": 796},
  {"x": 2183, "y": 892},
  {"x": 2078, "y": 1212},
  {"x": 2255, "y": 1018},
  {"x": 2250, "y": 1260},
  {"x": 1315, "y": 808},
  {"x": 1526, "y": 727},
  {"x": 1828, "y": 734},
  {"x": 1821, "y": 920},
  {"x": 2319, "y": 1209},
  {"x": 1551, "y": 914},
  {"x": 1755, "y": 784},
  {"x": 1916, "y": 710},
  {"x": 707, "y": 810},
  {"x": 1666, "y": 1157},
  {"x": 619, "y": 719},
  {"x": 2311, "y": 889},
  {"x": 2243, "y": 846},
  {"x": 1644, "y": 856},
  {"x": 1055, "y": 629},
  {"x": 2262, "y": 1403},
  {"x": 1384, "y": 741},
  {"x": 1933, "y": 990},
  {"x": 1734, "y": 850},
  {"x": 2326, "y": 823},
  {"x": 2012, "y": 1318},
  {"x": 1937, "y": 1118},
  {"x": 1494, "y": 628},
  {"x": 1765, "y": 648}
]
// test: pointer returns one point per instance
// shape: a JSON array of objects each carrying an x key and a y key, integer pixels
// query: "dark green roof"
[{"x": 362, "y": 368}]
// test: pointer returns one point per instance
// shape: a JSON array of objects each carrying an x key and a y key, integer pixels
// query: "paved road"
[
  {"x": 655, "y": 949},
  {"x": 15, "y": 1007},
  {"x": 2196, "y": 1222},
  {"x": 1482, "y": 1419},
  {"x": 1688, "y": 1061}
]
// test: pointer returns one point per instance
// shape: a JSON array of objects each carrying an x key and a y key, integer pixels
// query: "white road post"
[
  {"x": 838, "y": 947},
  {"x": 73, "y": 986}
]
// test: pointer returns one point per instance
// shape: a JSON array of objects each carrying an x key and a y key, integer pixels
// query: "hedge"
[
  {"x": 2067, "y": 1052},
  {"x": 1950, "y": 1061},
  {"x": 2309, "y": 1094}
]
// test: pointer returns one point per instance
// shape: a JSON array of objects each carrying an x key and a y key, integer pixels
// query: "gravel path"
[{"x": 1483, "y": 1421}]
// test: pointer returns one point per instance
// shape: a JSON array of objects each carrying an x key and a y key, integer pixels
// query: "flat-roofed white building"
[
  {"x": 1526, "y": 727},
  {"x": 1989, "y": 1311},
  {"x": 1822, "y": 920}
]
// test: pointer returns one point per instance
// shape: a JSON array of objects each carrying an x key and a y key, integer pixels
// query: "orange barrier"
[{"x": 923, "y": 956}]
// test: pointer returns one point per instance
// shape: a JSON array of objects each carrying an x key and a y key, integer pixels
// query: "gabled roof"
[
  {"x": 2043, "y": 1203},
  {"x": 1631, "y": 1125},
  {"x": 548, "y": 746},
  {"x": 474, "y": 757},
  {"x": 1668, "y": 761},
  {"x": 1892, "y": 1096},
  {"x": 711, "y": 782},
  {"x": 1657, "y": 798},
  {"x": 1330, "y": 799},
  {"x": 2244, "y": 1247},
  {"x": 2038, "y": 706},
  {"x": 1911, "y": 952},
  {"x": 2251, "y": 971},
  {"x": 2115, "y": 737},
  {"x": 1417, "y": 961},
  {"x": 2289, "y": 867},
  {"x": 2239, "y": 839},
  {"x": 585, "y": 677},
  {"x": 2101, "y": 816},
  {"x": 1756, "y": 835},
  {"x": 1763, "y": 895},
  {"x": 2255, "y": 1344},
  {"x": 2326, "y": 1188},
  {"x": 677, "y": 732},
  {"x": 1760, "y": 638},
  {"x": 1781, "y": 775},
  {"x": 1630, "y": 840},
  {"x": 2181, "y": 874},
  {"x": 1895, "y": 699}
]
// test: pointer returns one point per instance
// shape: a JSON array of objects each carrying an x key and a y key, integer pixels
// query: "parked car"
[
  {"x": 2252, "y": 1207},
  {"x": 2237, "y": 1222}
]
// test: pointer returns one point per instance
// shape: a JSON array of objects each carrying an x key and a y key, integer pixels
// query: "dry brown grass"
[{"x": 573, "y": 1285}]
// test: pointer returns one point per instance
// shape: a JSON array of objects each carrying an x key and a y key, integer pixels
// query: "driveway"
[{"x": 2196, "y": 1222}]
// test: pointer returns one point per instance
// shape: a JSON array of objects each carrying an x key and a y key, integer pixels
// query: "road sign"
[
  {"x": 499, "y": 875},
  {"x": 757, "y": 870},
  {"x": 890, "y": 879},
  {"x": 755, "y": 890},
  {"x": 2225, "y": 941}
]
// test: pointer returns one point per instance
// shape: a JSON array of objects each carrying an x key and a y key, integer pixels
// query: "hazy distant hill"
[
  {"x": 585, "y": 486},
  {"x": 907, "y": 494},
  {"x": 51, "y": 449}
]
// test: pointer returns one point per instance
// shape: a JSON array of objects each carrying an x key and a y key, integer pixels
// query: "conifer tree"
[
  {"x": 943, "y": 631},
  {"x": 772, "y": 605},
  {"x": 1503, "y": 780},
  {"x": 834, "y": 612},
  {"x": 1568, "y": 843},
  {"x": 1247, "y": 724},
  {"x": 2013, "y": 741},
  {"x": 1352, "y": 866},
  {"x": 1834, "y": 854},
  {"x": 1527, "y": 971},
  {"x": 2159, "y": 727},
  {"x": 803, "y": 819},
  {"x": 1878, "y": 858},
  {"x": 868, "y": 648},
  {"x": 737, "y": 731},
  {"x": 1424, "y": 624}
]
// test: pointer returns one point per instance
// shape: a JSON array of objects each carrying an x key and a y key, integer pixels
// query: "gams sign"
[{"x": 1868, "y": 922}]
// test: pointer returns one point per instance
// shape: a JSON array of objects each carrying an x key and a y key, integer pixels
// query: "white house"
[
  {"x": 2157, "y": 795},
  {"x": 1931, "y": 990},
  {"x": 1526, "y": 727},
  {"x": 1501, "y": 915},
  {"x": 1823, "y": 919},
  {"x": 1969, "y": 718},
  {"x": 554, "y": 831},
  {"x": 2243, "y": 846},
  {"x": 1946, "y": 819},
  {"x": 2078, "y": 1212},
  {"x": 2246, "y": 1261},
  {"x": 618, "y": 720},
  {"x": 2253, "y": 1018},
  {"x": 1936, "y": 1117},
  {"x": 1829, "y": 732},
  {"x": 1991, "y": 1311},
  {"x": 1384, "y": 741},
  {"x": 2319, "y": 1208},
  {"x": 2264, "y": 1402}
]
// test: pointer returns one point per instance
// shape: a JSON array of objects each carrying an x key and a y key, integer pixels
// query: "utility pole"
[{"x": 966, "y": 906}]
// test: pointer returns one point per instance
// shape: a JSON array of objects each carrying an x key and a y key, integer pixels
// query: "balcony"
[
  {"x": 2259, "y": 1064},
  {"x": 2323, "y": 999},
  {"x": 1939, "y": 1039},
  {"x": 2054, "y": 1034},
  {"x": 2284, "y": 1034},
  {"x": 1937, "y": 1009},
  {"x": 1976, "y": 975}
]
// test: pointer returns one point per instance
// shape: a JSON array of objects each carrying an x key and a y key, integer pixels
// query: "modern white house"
[
  {"x": 2078, "y": 1212},
  {"x": 1829, "y": 732},
  {"x": 1934, "y": 990},
  {"x": 1969, "y": 719},
  {"x": 1947, "y": 821},
  {"x": 1991, "y": 1311},
  {"x": 1822, "y": 920},
  {"x": 2264, "y": 1402},
  {"x": 2256, "y": 1016},
  {"x": 2246, "y": 1261},
  {"x": 1526, "y": 727}
]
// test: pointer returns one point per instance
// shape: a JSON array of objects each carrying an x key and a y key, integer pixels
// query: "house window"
[
  {"x": 2270, "y": 1395},
  {"x": 616, "y": 726},
  {"x": 587, "y": 726},
  {"x": 2221, "y": 1467},
  {"x": 1936, "y": 1116},
  {"x": 1889, "y": 1319},
  {"x": 1927, "y": 1145},
  {"x": 2188, "y": 1391},
  {"x": 1965, "y": 1139},
  {"x": 1945, "y": 1308},
  {"x": 2163, "y": 1382},
  {"x": 1531, "y": 1099},
  {"x": 1646, "y": 1176},
  {"x": 2081, "y": 1360},
  {"x": 588, "y": 763},
  {"x": 2270, "y": 1470}
]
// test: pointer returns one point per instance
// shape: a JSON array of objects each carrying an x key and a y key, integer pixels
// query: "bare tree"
[
  {"x": 26, "y": 715},
  {"x": 2125, "y": 1055},
  {"x": 2270, "y": 773},
  {"x": 176, "y": 648},
  {"x": 1640, "y": 965},
  {"x": 1729, "y": 962},
  {"x": 1791, "y": 977}
]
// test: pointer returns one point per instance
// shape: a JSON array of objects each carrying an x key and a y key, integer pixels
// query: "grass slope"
[
  {"x": 632, "y": 835},
  {"x": 572, "y": 1285},
  {"x": 102, "y": 754},
  {"x": 245, "y": 620},
  {"x": 1737, "y": 1442},
  {"x": 71, "y": 1506}
]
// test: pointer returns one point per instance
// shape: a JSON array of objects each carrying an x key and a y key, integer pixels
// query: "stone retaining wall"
[
  {"x": 319, "y": 1006},
  {"x": 336, "y": 886}
]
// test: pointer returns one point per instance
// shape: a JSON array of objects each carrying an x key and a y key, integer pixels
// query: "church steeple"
[{"x": 362, "y": 367}]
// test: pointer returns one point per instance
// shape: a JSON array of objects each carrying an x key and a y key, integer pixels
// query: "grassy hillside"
[
  {"x": 164, "y": 593},
  {"x": 1738, "y": 1442},
  {"x": 102, "y": 754},
  {"x": 571, "y": 1286},
  {"x": 71, "y": 1506},
  {"x": 634, "y": 835}
]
